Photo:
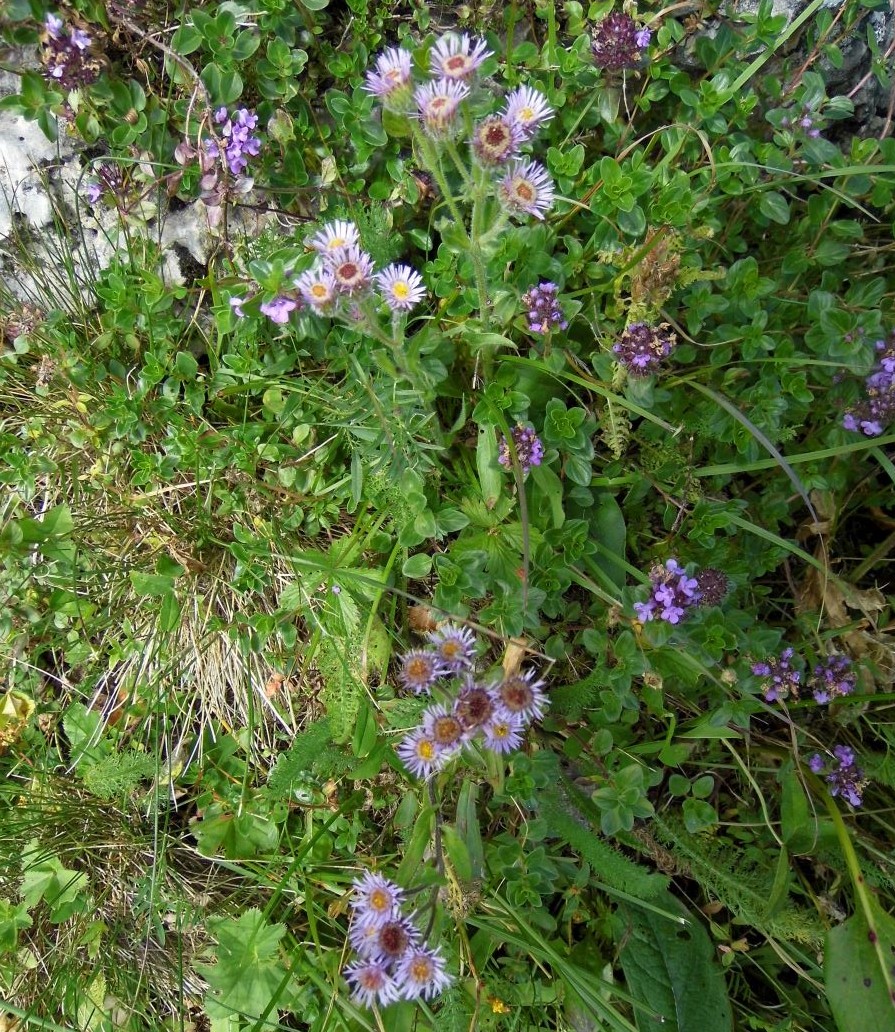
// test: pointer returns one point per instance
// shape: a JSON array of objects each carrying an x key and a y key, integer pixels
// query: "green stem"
[{"x": 431, "y": 160}]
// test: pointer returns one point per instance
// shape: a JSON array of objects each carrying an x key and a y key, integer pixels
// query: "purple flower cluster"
[
  {"x": 393, "y": 963},
  {"x": 342, "y": 275},
  {"x": 873, "y": 415},
  {"x": 833, "y": 678},
  {"x": 617, "y": 43},
  {"x": 781, "y": 678},
  {"x": 528, "y": 448},
  {"x": 236, "y": 131},
  {"x": 497, "y": 712},
  {"x": 544, "y": 312},
  {"x": 109, "y": 179},
  {"x": 642, "y": 348},
  {"x": 805, "y": 123},
  {"x": 842, "y": 774},
  {"x": 672, "y": 594},
  {"x": 67, "y": 54},
  {"x": 524, "y": 187}
]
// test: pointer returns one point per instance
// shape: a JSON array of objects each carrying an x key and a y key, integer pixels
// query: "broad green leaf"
[
  {"x": 490, "y": 477},
  {"x": 45, "y": 878},
  {"x": 608, "y": 524},
  {"x": 857, "y": 971},
  {"x": 458, "y": 853},
  {"x": 774, "y": 206},
  {"x": 671, "y": 970}
]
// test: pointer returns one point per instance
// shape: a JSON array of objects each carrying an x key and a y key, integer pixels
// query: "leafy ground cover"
[{"x": 465, "y": 600}]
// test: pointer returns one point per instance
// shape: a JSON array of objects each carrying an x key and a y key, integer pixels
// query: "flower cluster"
[
  {"x": 805, "y": 123},
  {"x": 878, "y": 410},
  {"x": 641, "y": 348},
  {"x": 342, "y": 277},
  {"x": 617, "y": 43},
  {"x": 672, "y": 594},
  {"x": 526, "y": 444},
  {"x": 238, "y": 141},
  {"x": 68, "y": 54},
  {"x": 833, "y": 678},
  {"x": 781, "y": 679},
  {"x": 544, "y": 312},
  {"x": 523, "y": 186},
  {"x": 842, "y": 774},
  {"x": 713, "y": 586},
  {"x": 109, "y": 179},
  {"x": 392, "y": 961},
  {"x": 20, "y": 321},
  {"x": 497, "y": 712}
]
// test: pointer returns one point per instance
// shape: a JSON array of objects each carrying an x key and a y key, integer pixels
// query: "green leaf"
[
  {"x": 859, "y": 985},
  {"x": 457, "y": 853},
  {"x": 46, "y": 879},
  {"x": 490, "y": 477},
  {"x": 671, "y": 970},
  {"x": 417, "y": 566},
  {"x": 248, "y": 974},
  {"x": 12, "y": 918},
  {"x": 774, "y": 206},
  {"x": 237, "y": 836},
  {"x": 608, "y": 525}
]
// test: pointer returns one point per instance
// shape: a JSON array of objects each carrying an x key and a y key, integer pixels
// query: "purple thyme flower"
[
  {"x": 496, "y": 140},
  {"x": 616, "y": 42},
  {"x": 873, "y": 415},
  {"x": 93, "y": 192},
  {"x": 371, "y": 983},
  {"x": 529, "y": 450},
  {"x": 642, "y": 38},
  {"x": 641, "y": 347},
  {"x": 451, "y": 57},
  {"x": 438, "y": 102},
  {"x": 279, "y": 309},
  {"x": 454, "y": 647},
  {"x": 236, "y": 132},
  {"x": 833, "y": 678},
  {"x": 527, "y": 109},
  {"x": 845, "y": 778},
  {"x": 544, "y": 312},
  {"x": 236, "y": 304},
  {"x": 420, "y": 669},
  {"x": 392, "y": 76},
  {"x": 67, "y": 55},
  {"x": 527, "y": 189},
  {"x": 421, "y": 973},
  {"x": 780, "y": 679},
  {"x": 401, "y": 287},
  {"x": 672, "y": 594}
]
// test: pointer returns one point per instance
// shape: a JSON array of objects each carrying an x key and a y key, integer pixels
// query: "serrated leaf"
[{"x": 671, "y": 970}]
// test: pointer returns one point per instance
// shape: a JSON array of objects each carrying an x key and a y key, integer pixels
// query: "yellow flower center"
[
  {"x": 379, "y": 900},
  {"x": 426, "y": 750},
  {"x": 501, "y": 730},
  {"x": 526, "y": 114},
  {"x": 319, "y": 290},
  {"x": 421, "y": 970},
  {"x": 335, "y": 243},
  {"x": 401, "y": 291}
]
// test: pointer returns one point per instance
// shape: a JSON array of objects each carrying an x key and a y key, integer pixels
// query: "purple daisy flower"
[
  {"x": 454, "y": 646},
  {"x": 475, "y": 705},
  {"x": 334, "y": 236},
  {"x": 393, "y": 73},
  {"x": 402, "y": 288},
  {"x": 420, "y": 669},
  {"x": 445, "y": 729},
  {"x": 318, "y": 288},
  {"x": 528, "y": 109},
  {"x": 421, "y": 973},
  {"x": 496, "y": 140},
  {"x": 420, "y": 754},
  {"x": 457, "y": 57},
  {"x": 376, "y": 900},
  {"x": 393, "y": 939},
  {"x": 503, "y": 733},
  {"x": 438, "y": 102},
  {"x": 371, "y": 983},
  {"x": 351, "y": 267},
  {"x": 527, "y": 189},
  {"x": 521, "y": 695}
]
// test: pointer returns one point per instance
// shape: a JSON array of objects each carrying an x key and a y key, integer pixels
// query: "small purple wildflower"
[
  {"x": 845, "y": 778},
  {"x": 371, "y": 983},
  {"x": 419, "y": 753},
  {"x": 475, "y": 705},
  {"x": 454, "y": 647},
  {"x": 528, "y": 109},
  {"x": 351, "y": 267},
  {"x": 93, "y": 193},
  {"x": 781, "y": 680},
  {"x": 279, "y": 309},
  {"x": 617, "y": 43},
  {"x": 334, "y": 237},
  {"x": 392, "y": 76},
  {"x": 544, "y": 312},
  {"x": 529, "y": 450},
  {"x": 641, "y": 347},
  {"x": 673, "y": 594},
  {"x": 521, "y": 696},
  {"x": 393, "y": 939},
  {"x": 67, "y": 55},
  {"x": 503, "y": 733},
  {"x": 874, "y": 414},
  {"x": 421, "y": 973},
  {"x": 236, "y": 304},
  {"x": 420, "y": 669},
  {"x": 376, "y": 900},
  {"x": 457, "y": 57},
  {"x": 438, "y": 102},
  {"x": 527, "y": 189},
  {"x": 833, "y": 678},
  {"x": 496, "y": 140},
  {"x": 445, "y": 729},
  {"x": 236, "y": 131},
  {"x": 402, "y": 288},
  {"x": 318, "y": 288}
]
